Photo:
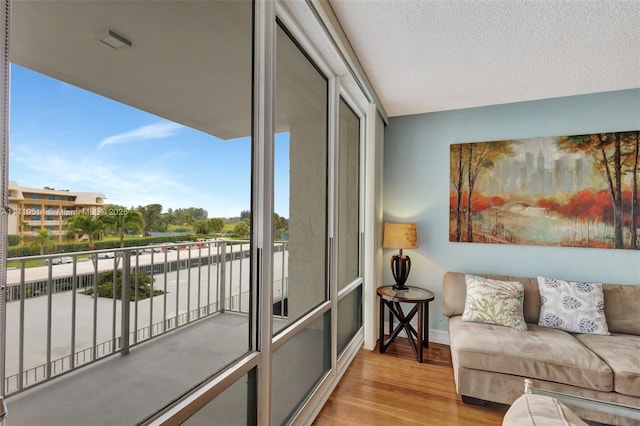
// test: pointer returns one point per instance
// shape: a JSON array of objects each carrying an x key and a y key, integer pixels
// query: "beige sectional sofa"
[{"x": 490, "y": 362}]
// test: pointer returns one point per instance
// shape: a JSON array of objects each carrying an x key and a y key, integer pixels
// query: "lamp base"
[
  {"x": 400, "y": 287},
  {"x": 400, "y": 267}
]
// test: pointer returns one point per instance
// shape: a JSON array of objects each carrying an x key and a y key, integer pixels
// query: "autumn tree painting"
[{"x": 579, "y": 191}]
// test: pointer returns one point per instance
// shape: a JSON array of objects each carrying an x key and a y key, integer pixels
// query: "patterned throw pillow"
[
  {"x": 494, "y": 302},
  {"x": 572, "y": 306}
]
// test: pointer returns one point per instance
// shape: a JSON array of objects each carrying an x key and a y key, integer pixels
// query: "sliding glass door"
[
  {"x": 349, "y": 225},
  {"x": 301, "y": 188},
  {"x": 220, "y": 122},
  {"x": 149, "y": 105},
  {"x": 301, "y": 180}
]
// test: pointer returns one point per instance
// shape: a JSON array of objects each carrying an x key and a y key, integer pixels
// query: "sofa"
[{"x": 490, "y": 362}]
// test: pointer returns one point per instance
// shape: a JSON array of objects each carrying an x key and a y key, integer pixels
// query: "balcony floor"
[{"x": 124, "y": 390}]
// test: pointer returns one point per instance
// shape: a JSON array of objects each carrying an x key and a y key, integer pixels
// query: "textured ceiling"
[{"x": 424, "y": 56}]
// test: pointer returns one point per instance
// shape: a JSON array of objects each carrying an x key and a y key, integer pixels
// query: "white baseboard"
[{"x": 439, "y": 336}]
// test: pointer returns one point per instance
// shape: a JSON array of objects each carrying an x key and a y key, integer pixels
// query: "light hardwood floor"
[{"x": 394, "y": 389}]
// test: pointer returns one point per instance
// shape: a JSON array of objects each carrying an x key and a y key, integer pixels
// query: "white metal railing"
[{"x": 53, "y": 332}]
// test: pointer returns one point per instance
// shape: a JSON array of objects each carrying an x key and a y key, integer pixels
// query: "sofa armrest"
[{"x": 454, "y": 293}]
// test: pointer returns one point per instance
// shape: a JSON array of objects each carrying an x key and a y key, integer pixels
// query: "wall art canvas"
[{"x": 577, "y": 191}]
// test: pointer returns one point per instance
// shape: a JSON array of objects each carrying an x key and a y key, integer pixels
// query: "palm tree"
[
  {"x": 123, "y": 221},
  {"x": 22, "y": 226},
  {"x": 42, "y": 240},
  {"x": 86, "y": 224}
]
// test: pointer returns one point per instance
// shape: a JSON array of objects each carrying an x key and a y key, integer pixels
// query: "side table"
[{"x": 392, "y": 299}]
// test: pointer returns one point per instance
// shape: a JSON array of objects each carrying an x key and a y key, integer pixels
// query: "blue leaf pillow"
[{"x": 572, "y": 306}]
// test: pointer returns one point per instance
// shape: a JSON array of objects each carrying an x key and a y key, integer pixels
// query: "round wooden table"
[{"x": 392, "y": 299}]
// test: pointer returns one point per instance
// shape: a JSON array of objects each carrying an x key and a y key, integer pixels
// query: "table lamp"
[{"x": 400, "y": 236}]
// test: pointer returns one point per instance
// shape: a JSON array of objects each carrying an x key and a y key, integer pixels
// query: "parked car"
[
  {"x": 61, "y": 260},
  {"x": 107, "y": 255}
]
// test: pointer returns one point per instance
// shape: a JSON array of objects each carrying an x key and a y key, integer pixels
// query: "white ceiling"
[
  {"x": 424, "y": 56},
  {"x": 190, "y": 61}
]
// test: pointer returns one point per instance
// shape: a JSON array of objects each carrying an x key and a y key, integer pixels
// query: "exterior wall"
[
  {"x": 416, "y": 189},
  {"x": 45, "y": 208},
  {"x": 307, "y": 267}
]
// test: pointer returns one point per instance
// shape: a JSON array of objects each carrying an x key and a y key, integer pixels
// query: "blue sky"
[{"x": 67, "y": 138}]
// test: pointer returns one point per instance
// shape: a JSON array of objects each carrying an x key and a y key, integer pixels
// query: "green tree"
[
  {"x": 169, "y": 218},
  {"x": 43, "y": 240},
  {"x": 242, "y": 229},
  {"x": 23, "y": 225},
  {"x": 201, "y": 226},
  {"x": 120, "y": 221},
  {"x": 245, "y": 214},
  {"x": 153, "y": 220},
  {"x": 189, "y": 220},
  {"x": 280, "y": 224},
  {"x": 91, "y": 226},
  {"x": 138, "y": 281},
  {"x": 216, "y": 225},
  {"x": 13, "y": 240}
]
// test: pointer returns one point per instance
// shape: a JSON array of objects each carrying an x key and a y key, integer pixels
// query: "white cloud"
[
  {"x": 147, "y": 183},
  {"x": 152, "y": 131}
]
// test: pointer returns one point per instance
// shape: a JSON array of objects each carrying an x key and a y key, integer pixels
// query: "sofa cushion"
[
  {"x": 621, "y": 352},
  {"x": 572, "y": 306},
  {"x": 494, "y": 302},
  {"x": 454, "y": 291},
  {"x": 540, "y": 410},
  {"x": 540, "y": 353},
  {"x": 621, "y": 308}
]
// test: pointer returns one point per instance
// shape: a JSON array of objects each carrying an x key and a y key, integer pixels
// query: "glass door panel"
[
  {"x": 147, "y": 105},
  {"x": 348, "y": 196},
  {"x": 235, "y": 406},
  {"x": 349, "y": 317},
  {"x": 301, "y": 160},
  {"x": 298, "y": 366}
]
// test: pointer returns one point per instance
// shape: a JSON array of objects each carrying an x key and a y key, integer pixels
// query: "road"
[{"x": 85, "y": 266}]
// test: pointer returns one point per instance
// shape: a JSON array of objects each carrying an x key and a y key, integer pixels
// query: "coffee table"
[{"x": 593, "y": 411}]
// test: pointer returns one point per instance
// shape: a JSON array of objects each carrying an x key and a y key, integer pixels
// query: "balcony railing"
[{"x": 54, "y": 326}]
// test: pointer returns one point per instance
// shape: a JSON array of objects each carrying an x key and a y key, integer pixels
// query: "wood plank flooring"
[{"x": 394, "y": 389}]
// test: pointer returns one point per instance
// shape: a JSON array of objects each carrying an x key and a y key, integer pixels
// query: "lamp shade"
[{"x": 400, "y": 236}]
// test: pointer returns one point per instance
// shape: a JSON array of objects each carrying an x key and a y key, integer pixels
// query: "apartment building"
[{"x": 33, "y": 209}]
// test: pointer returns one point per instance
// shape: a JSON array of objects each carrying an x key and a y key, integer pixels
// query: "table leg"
[
  {"x": 381, "y": 347},
  {"x": 390, "y": 318},
  {"x": 420, "y": 333},
  {"x": 426, "y": 325}
]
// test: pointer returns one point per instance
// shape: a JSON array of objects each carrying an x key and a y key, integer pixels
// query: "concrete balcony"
[
  {"x": 126, "y": 389},
  {"x": 76, "y": 359}
]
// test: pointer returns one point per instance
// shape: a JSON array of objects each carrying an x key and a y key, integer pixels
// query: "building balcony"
[{"x": 73, "y": 357}]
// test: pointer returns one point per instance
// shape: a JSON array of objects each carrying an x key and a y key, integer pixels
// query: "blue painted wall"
[{"x": 416, "y": 189}]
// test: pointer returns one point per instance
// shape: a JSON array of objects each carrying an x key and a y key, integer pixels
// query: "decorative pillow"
[
  {"x": 494, "y": 302},
  {"x": 572, "y": 306}
]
